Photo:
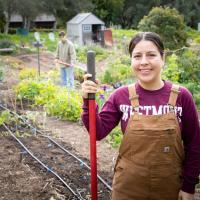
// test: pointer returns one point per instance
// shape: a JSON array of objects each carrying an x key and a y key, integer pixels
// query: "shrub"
[
  {"x": 171, "y": 70},
  {"x": 184, "y": 68},
  {"x": 66, "y": 105},
  {"x": 189, "y": 64},
  {"x": 117, "y": 70},
  {"x": 6, "y": 44},
  {"x": 28, "y": 89},
  {"x": 5, "y": 117},
  {"x": 168, "y": 23},
  {"x": 1, "y": 74},
  {"x": 78, "y": 74},
  {"x": 27, "y": 74},
  {"x": 100, "y": 53},
  {"x": 115, "y": 137},
  {"x": 194, "y": 88}
]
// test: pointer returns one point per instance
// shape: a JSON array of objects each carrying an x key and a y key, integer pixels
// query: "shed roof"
[
  {"x": 40, "y": 18},
  {"x": 16, "y": 18},
  {"x": 84, "y": 17},
  {"x": 45, "y": 18}
]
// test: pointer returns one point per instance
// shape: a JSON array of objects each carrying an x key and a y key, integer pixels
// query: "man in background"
[{"x": 65, "y": 58}]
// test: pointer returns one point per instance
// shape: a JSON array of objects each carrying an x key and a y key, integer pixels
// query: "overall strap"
[
  {"x": 173, "y": 95},
  {"x": 133, "y": 97}
]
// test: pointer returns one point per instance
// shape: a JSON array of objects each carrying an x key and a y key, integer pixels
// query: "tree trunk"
[
  {"x": 28, "y": 24},
  {"x": 24, "y": 22},
  {"x": 55, "y": 26},
  {"x": 6, "y": 27}
]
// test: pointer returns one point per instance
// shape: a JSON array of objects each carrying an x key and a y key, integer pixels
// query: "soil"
[{"x": 23, "y": 178}]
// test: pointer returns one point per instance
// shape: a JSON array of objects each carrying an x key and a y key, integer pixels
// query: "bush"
[
  {"x": 1, "y": 74},
  {"x": 168, "y": 23},
  {"x": 194, "y": 88},
  {"x": 100, "y": 53},
  {"x": 66, "y": 105},
  {"x": 189, "y": 64},
  {"x": 118, "y": 70},
  {"x": 6, "y": 44},
  {"x": 28, "y": 89},
  {"x": 27, "y": 74},
  {"x": 172, "y": 70},
  {"x": 115, "y": 137},
  {"x": 78, "y": 74},
  {"x": 184, "y": 68}
]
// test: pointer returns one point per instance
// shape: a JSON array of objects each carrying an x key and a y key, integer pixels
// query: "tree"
[
  {"x": 28, "y": 9},
  {"x": 133, "y": 11},
  {"x": 168, "y": 23},
  {"x": 190, "y": 10},
  {"x": 2, "y": 18},
  {"x": 52, "y": 7},
  {"x": 108, "y": 10},
  {"x": 8, "y": 7},
  {"x": 72, "y": 7}
]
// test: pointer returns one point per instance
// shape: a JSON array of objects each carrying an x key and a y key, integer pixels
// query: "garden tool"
[
  {"x": 68, "y": 65},
  {"x": 92, "y": 126}
]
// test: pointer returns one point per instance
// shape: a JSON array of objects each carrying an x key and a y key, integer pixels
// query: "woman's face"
[{"x": 147, "y": 62}]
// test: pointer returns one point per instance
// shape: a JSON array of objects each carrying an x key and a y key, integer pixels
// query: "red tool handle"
[{"x": 92, "y": 126}]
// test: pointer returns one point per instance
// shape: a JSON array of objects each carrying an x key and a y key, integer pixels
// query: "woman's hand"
[
  {"x": 88, "y": 86},
  {"x": 185, "y": 196}
]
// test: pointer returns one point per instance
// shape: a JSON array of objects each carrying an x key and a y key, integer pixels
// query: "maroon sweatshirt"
[{"x": 118, "y": 109}]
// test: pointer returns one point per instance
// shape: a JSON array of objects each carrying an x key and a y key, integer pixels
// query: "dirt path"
[{"x": 46, "y": 60}]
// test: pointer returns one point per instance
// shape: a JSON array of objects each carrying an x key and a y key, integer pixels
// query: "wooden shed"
[
  {"x": 41, "y": 21},
  {"x": 85, "y": 28}
]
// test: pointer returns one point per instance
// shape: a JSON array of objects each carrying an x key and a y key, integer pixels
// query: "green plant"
[
  {"x": 27, "y": 74},
  {"x": 194, "y": 35},
  {"x": 28, "y": 89},
  {"x": 4, "y": 117},
  {"x": 115, "y": 137},
  {"x": 78, "y": 74},
  {"x": 194, "y": 88},
  {"x": 117, "y": 71},
  {"x": 1, "y": 74},
  {"x": 100, "y": 53},
  {"x": 6, "y": 44},
  {"x": 189, "y": 64},
  {"x": 122, "y": 34},
  {"x": 66, "y": 105},
  {"x": 47, "y": 92},
  {"x": 171, "y": 70},
  {"x": 168, "y": 23}
]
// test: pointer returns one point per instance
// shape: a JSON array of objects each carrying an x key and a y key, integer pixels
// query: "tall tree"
[
  {"x": 28, "y": 9},
  {"x": 9, "y": 7},
  {"x": 52, "y": 7},
  {"x": 134, "y": 10},
  {"x": 108, "y": 10},
  {"x": 190, "y": 10},
  {"x": 2, "y": 17},
  {"x": 73, "y": 7}
]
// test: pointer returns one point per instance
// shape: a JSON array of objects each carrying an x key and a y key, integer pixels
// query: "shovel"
[{"x": 92, "y": 126}]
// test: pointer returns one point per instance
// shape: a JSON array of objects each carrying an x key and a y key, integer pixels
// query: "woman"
[{"x": 159, "y": 157}]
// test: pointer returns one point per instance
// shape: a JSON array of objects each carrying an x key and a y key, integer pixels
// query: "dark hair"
[
  {"x": 148, "y": 36},
  {"x": 61, "y": 33}
]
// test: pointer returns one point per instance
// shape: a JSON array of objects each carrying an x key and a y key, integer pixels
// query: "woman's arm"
[
  {"x": 107, "y": 119},
  {"x": 191, "y": 139}
]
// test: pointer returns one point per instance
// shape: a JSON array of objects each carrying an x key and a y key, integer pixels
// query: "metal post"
[{"x": 38, "y": 46}]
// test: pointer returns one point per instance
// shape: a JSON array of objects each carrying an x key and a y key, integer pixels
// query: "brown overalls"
[{"x": 151, "y": 154}]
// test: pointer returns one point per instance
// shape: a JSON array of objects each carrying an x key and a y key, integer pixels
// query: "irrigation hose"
[{"x": 46, "y": 167}]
